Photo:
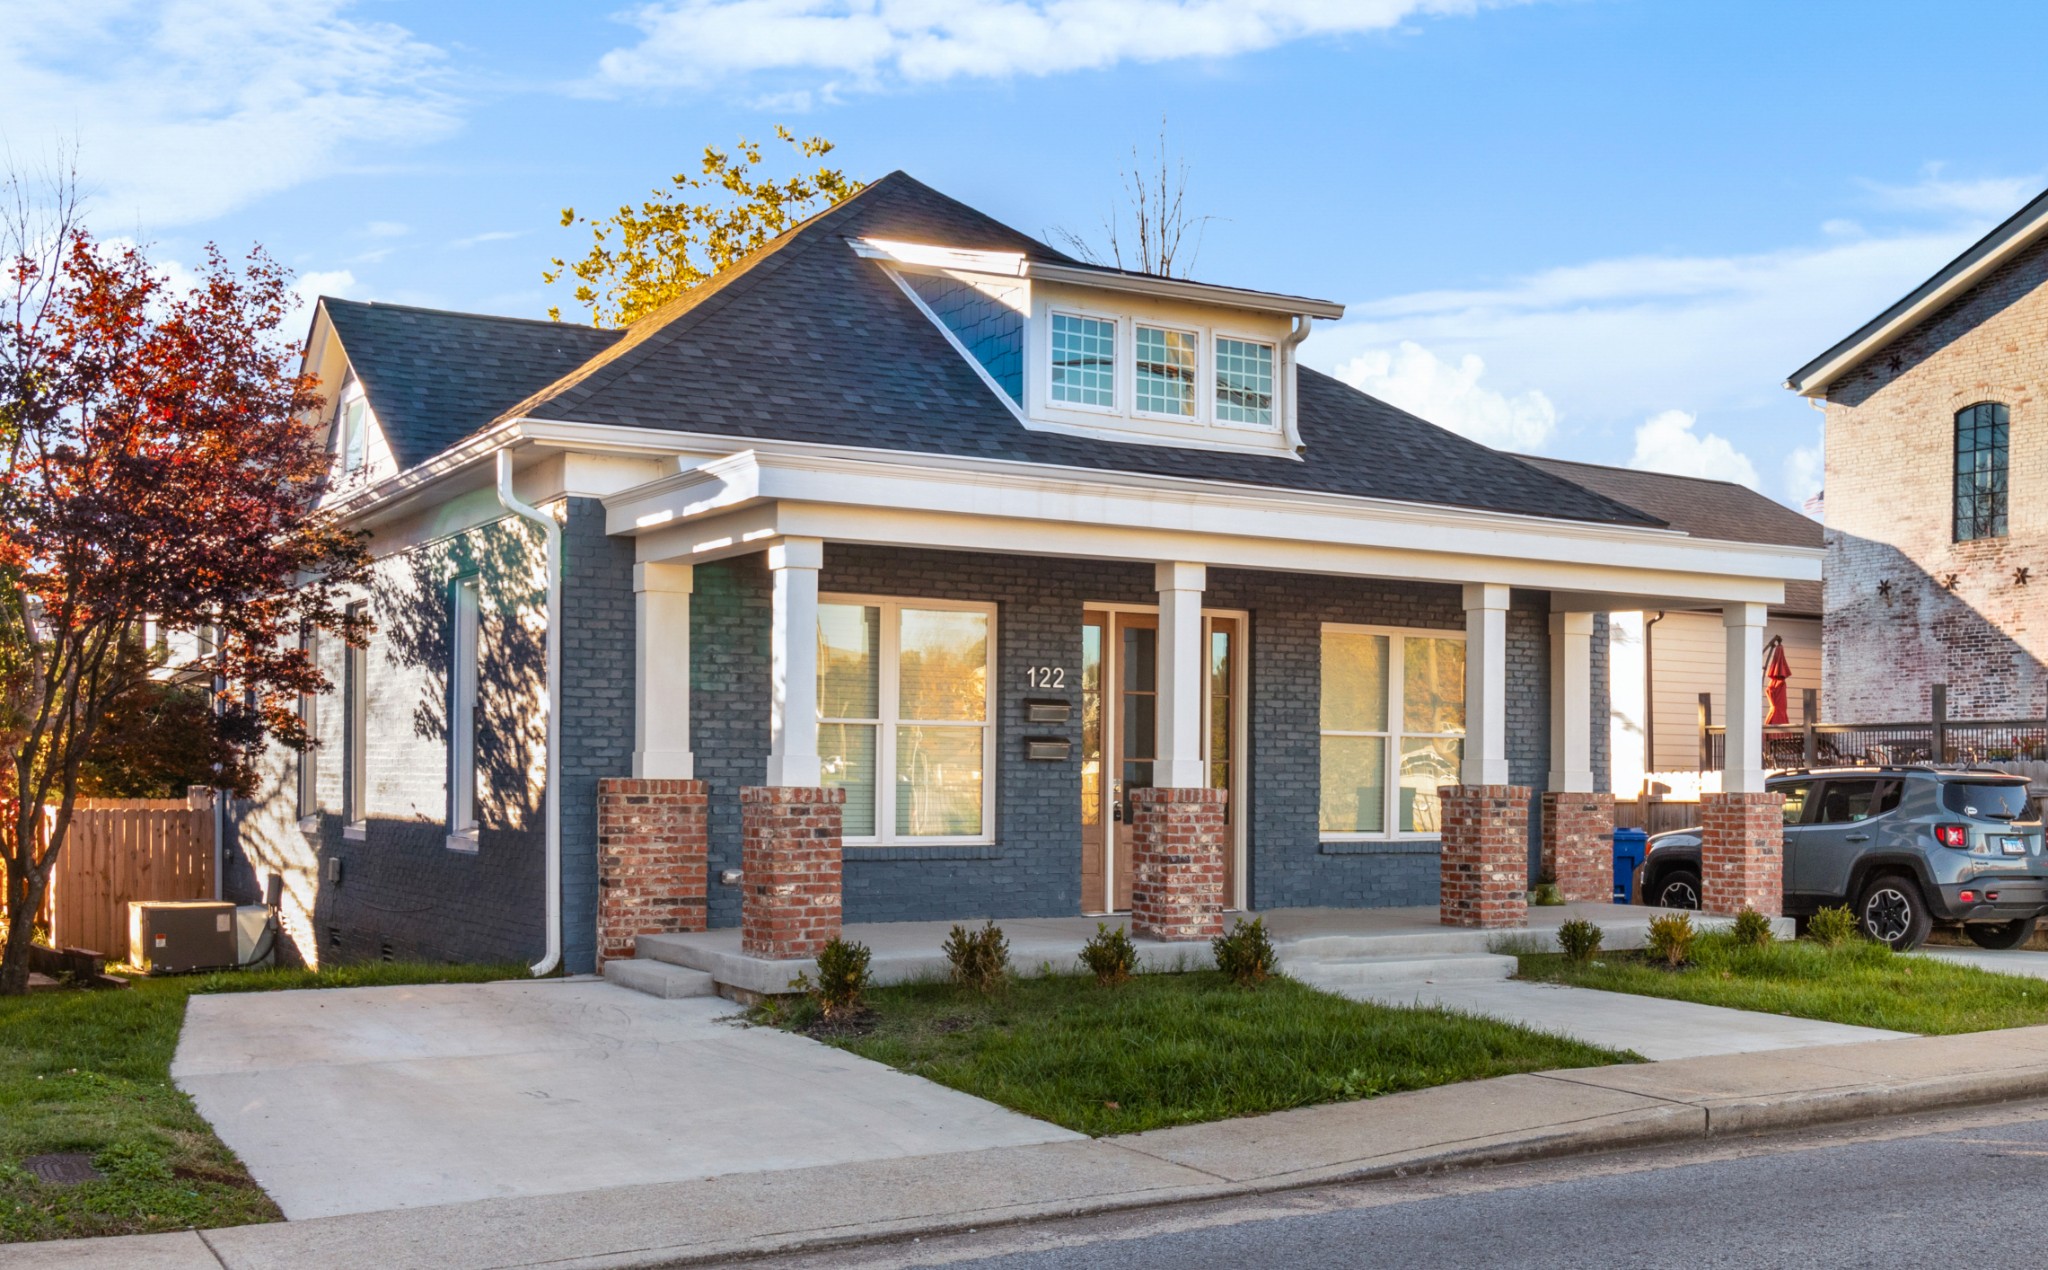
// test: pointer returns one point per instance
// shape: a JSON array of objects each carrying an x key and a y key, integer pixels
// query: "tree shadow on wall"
[{"x": 415, "y": 615}]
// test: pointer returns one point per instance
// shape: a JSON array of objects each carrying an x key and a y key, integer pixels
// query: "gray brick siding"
[{"x": 597, "y": 707}]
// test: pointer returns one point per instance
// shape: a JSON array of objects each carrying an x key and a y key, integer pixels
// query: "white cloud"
[
  {"x": 488, "y": 236},
  {"x": 184, "y": 109},
  {"x": 868, "y": 43},
  {"x": 1666, "y": 442},
  {"x": 1805, "y": 468},
  {"x": 1996, "y": 197},
  {"x": 1450, "y": 396},
  {"x": 307, "y": 288},
  {"x": 386, "y": 229}
]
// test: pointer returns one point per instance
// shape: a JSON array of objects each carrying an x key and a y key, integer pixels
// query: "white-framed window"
[
  {"x": 1393, "y": 729},
  {"x": 1164, "y": 371},
  {"x": 1084, "y": 361},
  {"x": 905, "y": 725},
  {"x": 309, "y": 719},
  {"x": 464, "y": 646},
  {"x": 353, "y": 427},
  {"x": 1244, "y": 382},
  {"x": 355, "y": 704}
]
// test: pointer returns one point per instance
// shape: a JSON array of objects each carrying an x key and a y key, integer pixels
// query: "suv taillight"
[{"x": 1957, "y": 836}]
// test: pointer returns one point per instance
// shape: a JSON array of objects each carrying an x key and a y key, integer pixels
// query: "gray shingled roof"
[
  {"x": 434, "y": 377},
  {"x": 807, "y": 341},
  {"x": 1704, "y": 509}
]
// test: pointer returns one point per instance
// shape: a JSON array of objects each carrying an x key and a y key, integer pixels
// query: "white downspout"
[
  {"x": 1290, "y": 425},
  {"x": 551, "y": 532}
]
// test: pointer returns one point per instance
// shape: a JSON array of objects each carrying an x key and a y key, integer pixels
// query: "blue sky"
[{"x": 1600, "y": 229}]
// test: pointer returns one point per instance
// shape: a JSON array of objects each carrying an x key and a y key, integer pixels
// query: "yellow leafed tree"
[{"x": 641, "y": 258}]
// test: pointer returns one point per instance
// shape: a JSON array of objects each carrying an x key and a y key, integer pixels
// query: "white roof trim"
[{"x": 2018, "y": 233}]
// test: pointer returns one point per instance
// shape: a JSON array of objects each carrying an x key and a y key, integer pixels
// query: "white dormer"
[
  {"x": 360, "y": 453},
  {"x": 1124, "y": 357}
]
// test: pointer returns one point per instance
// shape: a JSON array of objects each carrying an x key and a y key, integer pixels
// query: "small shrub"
[
  {"x": 1580, "y": 939},
  {"x": 981, "y": 959},
  {"x": 1546, "y": 895},
  {"x": 1246, "y": 954},
  {"x": 841, "y": 989},
  {"x": 1832, "y": 927},
  {"x": 1671, "y": 939},
  {"x": 1110, "y": 956},
  {"x": 1752, "y": 929}
]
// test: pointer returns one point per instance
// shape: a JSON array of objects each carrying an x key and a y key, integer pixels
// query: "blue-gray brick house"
[{"x": 912, "y": 505}]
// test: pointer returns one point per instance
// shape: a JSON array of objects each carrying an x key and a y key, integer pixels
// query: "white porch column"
[
  {"x": 1571, "y": 703},
  {"x": 661, "y": 644},
  {"x": 793, "y": 563},
  {"x": 1179, "y": 764},
  {"x": 1743, "y": 766},
  {"x": 1486, "y": 684}
]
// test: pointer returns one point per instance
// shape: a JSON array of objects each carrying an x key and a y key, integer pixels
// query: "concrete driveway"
[{"x": 362, "y": 1099}]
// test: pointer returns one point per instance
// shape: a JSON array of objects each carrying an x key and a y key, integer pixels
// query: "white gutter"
[
  {"x": 551, "y": 532},
  {"x": 1290, "y": 417}
]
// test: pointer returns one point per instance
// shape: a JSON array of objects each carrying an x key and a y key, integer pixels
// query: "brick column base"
[
  {"x": 1742, "y": 853},
  {"x": 790, "y": 859},
  {"x": 652, "y": 846},
  {"x": 1485, "y": 856},
  {"x": 1578, "y": 844},
  {"x": 1178, "y": 838}
]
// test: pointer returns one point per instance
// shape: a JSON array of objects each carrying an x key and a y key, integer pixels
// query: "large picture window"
[
  {"x": 1981, "y": 445},
  {"x": 1393, "y": 729},
  {"x": 903, "y": 717}
]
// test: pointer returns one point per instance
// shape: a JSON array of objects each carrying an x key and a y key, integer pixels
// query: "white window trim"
[
  {"x": 1216, "y": 418},
  {"x": 1390, "y": 811},
  {"x": 1199, "y": 414},
  {"x": 464, "y": 654},
  {"x": 355, "y": 737},
  {"x": 309, "y": 758},
  {"x": 887, "y": 700},
  {"x": 1120, "y": 344},
  {"x": 351, "y": 393}
]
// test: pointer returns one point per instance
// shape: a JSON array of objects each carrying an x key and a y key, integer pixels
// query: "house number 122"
[{"x": 1046, "y": 676}]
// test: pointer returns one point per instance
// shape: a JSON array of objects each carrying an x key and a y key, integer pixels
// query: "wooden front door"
[{"x": 1119, "y": 739}]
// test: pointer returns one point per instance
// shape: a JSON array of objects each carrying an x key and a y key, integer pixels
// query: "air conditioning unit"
[{"x": 173, "y": 936}]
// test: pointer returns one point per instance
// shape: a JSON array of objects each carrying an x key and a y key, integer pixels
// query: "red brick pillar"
[
  {"x": 1485, "y": 860},
  {"x": 790, "y": 859},
  {"x": 652, "y": 846},
  {"x": 1578, "y": 844},
  {"x": 1742, "y": 853},
  {"x": 1178, "y": 838}
]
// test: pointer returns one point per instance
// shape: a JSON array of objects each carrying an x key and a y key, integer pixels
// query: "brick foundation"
[
  {"x": 1742, "y": 853},
  {"x": 1178, "y": 840},
  {"x": 791, "y": 859},
  {"x": 1485, "y": 855},
  {"x": 1578, "y": 846},
  {"x": 652, "y": 842}
]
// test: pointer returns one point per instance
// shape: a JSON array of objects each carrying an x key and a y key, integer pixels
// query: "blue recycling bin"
[{"x": 1630, "y": 846}]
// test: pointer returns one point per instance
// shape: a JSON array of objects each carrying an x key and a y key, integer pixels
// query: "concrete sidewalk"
[{"x": 1484, "y": 1122}]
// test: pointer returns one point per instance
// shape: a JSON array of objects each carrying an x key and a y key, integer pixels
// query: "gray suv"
[{"x": 1905, "y": 847}]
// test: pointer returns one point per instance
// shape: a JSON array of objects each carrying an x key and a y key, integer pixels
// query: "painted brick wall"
[
  {"x": 402, "y": 892},
  {"x": 1893, "y": 626},
  {"x": 597, "y": 707},
  {"x": 1033, "y": 870}
]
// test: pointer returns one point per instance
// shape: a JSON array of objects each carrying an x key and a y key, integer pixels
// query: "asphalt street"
[{"x": 1964, "y": 1188}]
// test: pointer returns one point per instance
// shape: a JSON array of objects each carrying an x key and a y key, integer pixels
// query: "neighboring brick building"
[
  {"x": 890, "y": 567},
  {"x": 1937, "y": 490}
]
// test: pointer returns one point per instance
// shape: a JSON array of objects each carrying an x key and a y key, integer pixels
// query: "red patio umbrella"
[{"x": 1777, "y": 671}]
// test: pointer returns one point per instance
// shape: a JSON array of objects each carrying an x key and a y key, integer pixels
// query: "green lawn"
[
  {"x": 1860, "y": 982},
  {"x": 1169, "y": 1049},
  {"x": 90, "y": 1072}
]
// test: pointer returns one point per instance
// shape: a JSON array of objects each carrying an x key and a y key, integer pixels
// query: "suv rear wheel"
[
  {"x": 1679, "y": 889},
  {"x": 1894, "y": 912},
  {"x": 2000, "y": 935}
]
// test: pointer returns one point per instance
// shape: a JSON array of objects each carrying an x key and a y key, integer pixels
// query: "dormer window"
[
  {"x": 1166, "y": 372},
  {"x": 1244, "y": 382},
  {"x": 354, "y": 424},
  {"x": 1083, "y": 361}
]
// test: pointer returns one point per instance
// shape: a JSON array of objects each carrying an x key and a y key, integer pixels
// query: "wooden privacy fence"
[
  {"x": 1655, "y": 816},
  {"x": 123, "y": 849}
]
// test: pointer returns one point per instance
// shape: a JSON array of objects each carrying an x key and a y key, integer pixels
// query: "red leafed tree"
[{"x": 160, "y": 462}]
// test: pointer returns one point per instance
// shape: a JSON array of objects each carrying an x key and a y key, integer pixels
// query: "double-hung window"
[
  {"x": 904, "y": 724},
  {"x": 462, "y": 698},
  {"x": 355, "y": 428},
  {"x": 1393, "y": 729},
  {"x": 309, "y": 722},
  {"x": 1083, "y": 361},
  {"x": 355, "y": 690}
]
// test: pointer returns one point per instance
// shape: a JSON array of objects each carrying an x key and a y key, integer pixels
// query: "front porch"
[{"x": 1392, "y": 945}]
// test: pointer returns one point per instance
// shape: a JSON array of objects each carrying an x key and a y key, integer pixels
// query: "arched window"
[{"x": 1981, "y": 432}]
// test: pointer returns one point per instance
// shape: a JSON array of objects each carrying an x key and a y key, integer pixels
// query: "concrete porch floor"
[{"x": 908, "y": 951}]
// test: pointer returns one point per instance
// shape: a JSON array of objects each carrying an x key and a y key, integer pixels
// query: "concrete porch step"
[
  {"x": 658, "y": 978},
  {"x": 1353, "y": 972}
]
